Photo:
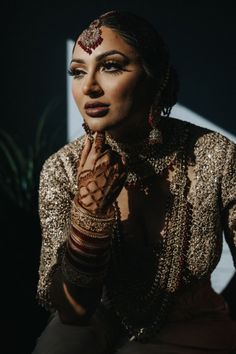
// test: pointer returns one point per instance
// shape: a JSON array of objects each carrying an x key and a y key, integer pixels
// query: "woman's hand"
[{"x": 101, "y": 176}]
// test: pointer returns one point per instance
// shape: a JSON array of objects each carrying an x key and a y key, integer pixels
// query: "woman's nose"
[{"x": 91, "y": 86}]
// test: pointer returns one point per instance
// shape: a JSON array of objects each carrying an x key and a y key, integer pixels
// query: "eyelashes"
[
  {"x": 110, "y": 67},
  {"x": 113, "y": 67},
  {"x": 72, "y": 72}
]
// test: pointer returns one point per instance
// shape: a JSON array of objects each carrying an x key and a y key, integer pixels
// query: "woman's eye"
[
  {"x": 112, "y": 67},
  {"x": 76, "y": 73}
]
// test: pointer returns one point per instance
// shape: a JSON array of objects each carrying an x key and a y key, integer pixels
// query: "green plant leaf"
[
  {"x": 40, "y": 141},
  {"x": 20, "y": 167}
]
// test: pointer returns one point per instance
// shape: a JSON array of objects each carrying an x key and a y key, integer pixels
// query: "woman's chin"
[
  {"x": 101, "y": 126},
  {"x": 96, "y": 127},
  {"x": 97, "y": 130},
  {"x": 116, "y": 129}
]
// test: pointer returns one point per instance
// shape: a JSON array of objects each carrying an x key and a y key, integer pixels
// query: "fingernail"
[
  {"x": 123, "y": 159},
  {"x": 91, "y": 139}
]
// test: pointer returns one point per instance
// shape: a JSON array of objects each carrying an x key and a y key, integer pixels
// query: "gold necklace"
[
  {"x": 153, "y": 300},
  {"x": 144, "y": 159}
]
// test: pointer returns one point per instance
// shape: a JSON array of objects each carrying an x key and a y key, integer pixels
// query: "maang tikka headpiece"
[{"x": 91, "y": 37}]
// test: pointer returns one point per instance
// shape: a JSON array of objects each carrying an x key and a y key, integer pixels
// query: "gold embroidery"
[{"x": 192, "y": 236}]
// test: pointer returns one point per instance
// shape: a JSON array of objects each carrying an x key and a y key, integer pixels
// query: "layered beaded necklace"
[
  {"x": 151, "y": 298},
  {"x": 143, "y": 160}
]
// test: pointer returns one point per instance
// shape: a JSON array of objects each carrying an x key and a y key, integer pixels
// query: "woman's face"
[{"x": 111, "y": 88}]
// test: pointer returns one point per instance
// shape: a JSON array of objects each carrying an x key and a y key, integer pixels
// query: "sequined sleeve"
[
  {"x": 54, "y": 212},
  {"x": 228, "y": 192}
]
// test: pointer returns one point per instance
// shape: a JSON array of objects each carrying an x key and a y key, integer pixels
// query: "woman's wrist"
[
  {"x": 98, "y": 223},
  {"x": 87, "y": 250}
]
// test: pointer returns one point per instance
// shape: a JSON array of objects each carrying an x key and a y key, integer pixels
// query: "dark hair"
[{"x": 154, "y": 54}]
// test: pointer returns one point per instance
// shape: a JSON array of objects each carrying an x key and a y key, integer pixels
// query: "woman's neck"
[{"x": 130, "y": 136}]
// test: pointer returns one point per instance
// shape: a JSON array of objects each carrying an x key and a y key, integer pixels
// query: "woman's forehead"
[{"x": 111, "y": 40}]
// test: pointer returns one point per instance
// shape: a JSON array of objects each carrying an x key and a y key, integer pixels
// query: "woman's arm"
[
  {"x": 228, "y": 195},
  {"x": 54, "y": 290},
  {"x": 77, "y": 232},
  {"x": 101, "y": 175}
]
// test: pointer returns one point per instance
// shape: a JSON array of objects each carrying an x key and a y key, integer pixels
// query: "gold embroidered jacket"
[{"x": 202, "y": 210}]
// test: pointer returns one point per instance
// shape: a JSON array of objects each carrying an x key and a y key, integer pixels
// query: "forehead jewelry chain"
[{"x": 91, "y": 37}]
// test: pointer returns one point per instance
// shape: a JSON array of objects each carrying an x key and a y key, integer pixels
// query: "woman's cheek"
[
  {"x": 127, "y": 99},
  {"x": 75, "y": 90}
]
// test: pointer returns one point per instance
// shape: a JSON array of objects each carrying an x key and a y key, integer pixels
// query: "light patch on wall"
[
  {"x": 74, "y": 118},
  {"x": 224, "y": 270},
  {"x": 186, "y": 114}
]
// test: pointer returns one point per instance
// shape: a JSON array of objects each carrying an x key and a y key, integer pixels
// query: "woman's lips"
[{"x": 98, "y": 111}]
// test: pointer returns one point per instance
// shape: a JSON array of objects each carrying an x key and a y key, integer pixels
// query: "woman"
[{"x": 132, "y": 213}]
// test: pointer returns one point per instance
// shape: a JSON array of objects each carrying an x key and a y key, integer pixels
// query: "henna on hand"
[{"x": 101, "y": 176}]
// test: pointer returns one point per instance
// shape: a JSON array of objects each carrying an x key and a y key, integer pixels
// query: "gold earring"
[{"x": 155, "y": 135}]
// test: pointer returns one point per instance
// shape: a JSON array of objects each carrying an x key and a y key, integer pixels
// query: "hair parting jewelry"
[{"x": 91, "y": 37}]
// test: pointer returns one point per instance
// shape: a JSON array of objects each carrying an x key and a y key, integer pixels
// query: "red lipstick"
[{"x": 96, "y": 109}]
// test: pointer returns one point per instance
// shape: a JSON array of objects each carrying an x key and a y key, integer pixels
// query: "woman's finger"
[
  {"x": 99, "y": 141},
  {"x": 85, "y": 152},
  {"x": 92, "y": 153},
  {"x": 103, "y": 158}
]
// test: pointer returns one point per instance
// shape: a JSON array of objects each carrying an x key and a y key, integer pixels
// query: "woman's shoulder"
[
  {"x": 66, "y": 155},
  {"x": 61, "y": 166},
  {"x": 202, "y": 138}
]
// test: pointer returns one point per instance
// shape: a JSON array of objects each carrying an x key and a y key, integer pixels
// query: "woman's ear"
[
  {"x": 153, "y": 89},
  {"x": 155, "y": 103}
]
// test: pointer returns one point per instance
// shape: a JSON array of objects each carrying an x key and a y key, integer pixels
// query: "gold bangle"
[
  {"x": 91, "y": 222},
  {"x": 96, "y": 246},
  {"x": 83, "y": 210},
  {"x": 81, "y": 258},
  {"x": 89, "y": 233}
]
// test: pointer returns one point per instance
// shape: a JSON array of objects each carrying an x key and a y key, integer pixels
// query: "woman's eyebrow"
[
  {"x": 101, "y": 56},
  {"x": 110, "y": 52}
]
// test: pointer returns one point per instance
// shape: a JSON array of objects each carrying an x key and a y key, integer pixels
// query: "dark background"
[{"x": 201, "y": 38}]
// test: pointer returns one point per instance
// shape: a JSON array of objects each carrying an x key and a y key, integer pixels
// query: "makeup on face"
[
  {"x": 96, "y": 109},
  {"x": 109, "y": 85}
]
